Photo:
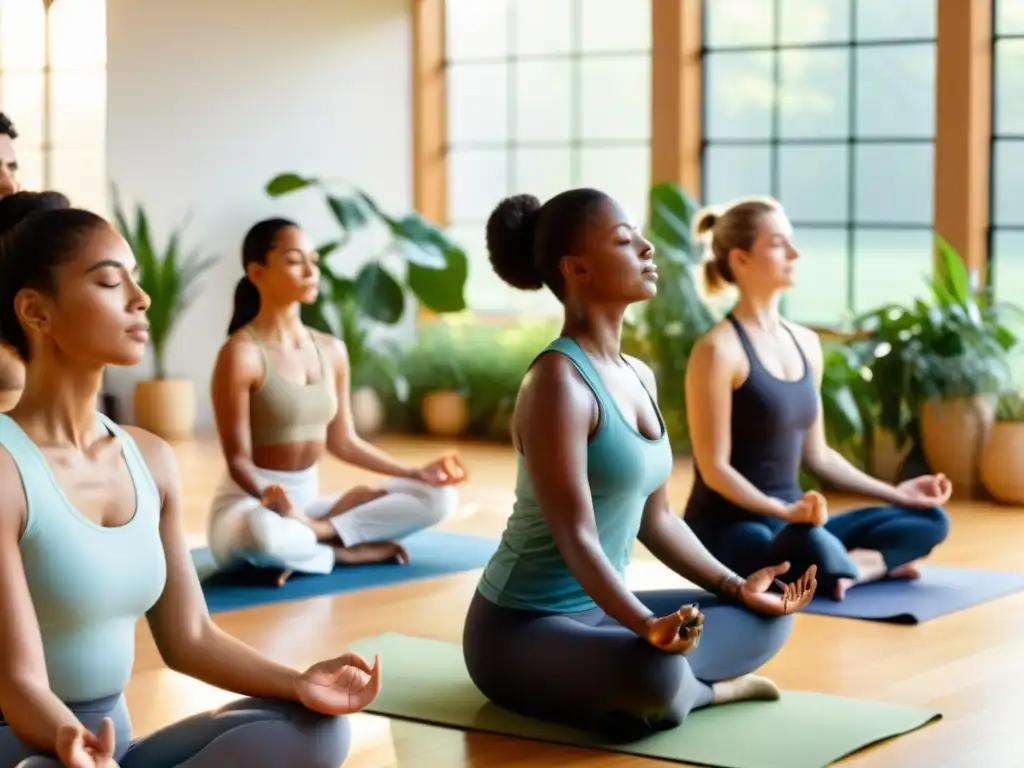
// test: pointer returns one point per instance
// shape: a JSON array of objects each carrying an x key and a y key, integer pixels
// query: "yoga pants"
[{"x": 586, "y": 670}]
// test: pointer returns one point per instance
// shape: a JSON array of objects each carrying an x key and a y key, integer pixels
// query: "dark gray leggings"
[
  {"x": 588, "y": 671},
  {"x": 253, "y": 733}
]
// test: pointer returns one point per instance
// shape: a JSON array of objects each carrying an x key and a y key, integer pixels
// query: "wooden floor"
[{"x": 970, "y": 666}]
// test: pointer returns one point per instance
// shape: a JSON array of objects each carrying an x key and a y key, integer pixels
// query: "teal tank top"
[
  {"x": 90, "y": 585},
  {"x": 623, "y": 469}
]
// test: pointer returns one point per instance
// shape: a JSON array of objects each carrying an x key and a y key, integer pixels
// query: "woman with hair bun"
[
  {"x": 755, "y": 416},
  {"x": 552, "y": 631},
  {"x": 91, "y": 540}
]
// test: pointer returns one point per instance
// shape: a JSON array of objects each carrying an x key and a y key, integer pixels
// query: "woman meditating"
[
  {"x": 552, "y": 631},
  {"x": 91, "y": 540},
  {"x": 280, "y": 394},
  {"x": 755, "y": 414}
]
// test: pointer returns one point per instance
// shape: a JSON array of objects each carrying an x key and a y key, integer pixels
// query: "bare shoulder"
[
  {"x": 808, "y": 339},
  {"x": 720, "y": 345},
  {"x": 239, "y": 356},
  {"x": 13, "y": 510},
  {"x": 158, "y": 455},
  {"x": 553, "y": 376},
  {"x": 331, "y": 345}
]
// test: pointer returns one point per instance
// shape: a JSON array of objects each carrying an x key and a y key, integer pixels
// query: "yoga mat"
[
  {"x": 431, "y": 553},
  {"x": 426, "y": 681},
  {"x": 940, "y": 591}
]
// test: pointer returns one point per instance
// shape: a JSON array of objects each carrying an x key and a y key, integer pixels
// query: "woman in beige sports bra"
[{"x": 280, "y": 397}]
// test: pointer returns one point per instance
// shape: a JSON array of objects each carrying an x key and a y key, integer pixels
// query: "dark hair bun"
[
  {"x": 510, "y": 235},
  {"x": 17, "y": 207}
]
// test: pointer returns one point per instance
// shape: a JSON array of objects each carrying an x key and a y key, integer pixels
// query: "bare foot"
[
  {"x": 745, "y": 688},
  {"x": 841, "y": 586},
  {"x": 374, "y": 552},
  {"x": 870, "y": 567},
  {"x": 906, "y": 571}
]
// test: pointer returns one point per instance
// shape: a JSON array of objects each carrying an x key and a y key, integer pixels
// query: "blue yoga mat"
[
  {"x": 940, "y": 591},
  {"x": 431, "y": 553}
]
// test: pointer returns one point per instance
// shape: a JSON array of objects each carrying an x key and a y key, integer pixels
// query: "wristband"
[{"x": 731, "y": 584}]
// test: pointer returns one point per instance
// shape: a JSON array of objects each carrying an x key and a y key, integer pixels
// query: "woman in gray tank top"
[
  {"x": 91, "y": 540},
  {"x": 755, "y": 416}
]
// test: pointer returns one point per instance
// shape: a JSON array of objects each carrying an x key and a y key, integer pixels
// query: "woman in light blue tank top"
[
  {"x": 552, "y": 631},
  {"x": 91, "y": 540}
]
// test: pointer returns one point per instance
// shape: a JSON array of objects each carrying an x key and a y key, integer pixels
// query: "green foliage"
[
  {"x": 1010, "y": 407},
  {"x": 955, "y": 345},
  {"x": 168, "y": 276},
  {"x": 432, "y": 268}
]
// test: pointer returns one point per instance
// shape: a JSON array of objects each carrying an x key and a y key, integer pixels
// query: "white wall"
[{"x": 207, "y": 100}]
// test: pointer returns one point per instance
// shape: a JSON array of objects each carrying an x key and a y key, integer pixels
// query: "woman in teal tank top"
[
  {"x": 91, "y": 540},
  {"x": 552, "y": 631}
]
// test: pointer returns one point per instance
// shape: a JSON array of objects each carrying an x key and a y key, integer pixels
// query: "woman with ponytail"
[
  {"x": 91, "y": 540},
  {"x": 280, "y": 397},
  {"x": 755, "y": 416}
]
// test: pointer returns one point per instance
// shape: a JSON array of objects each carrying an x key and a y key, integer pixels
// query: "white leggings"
[{"x": 240, "y": 529}]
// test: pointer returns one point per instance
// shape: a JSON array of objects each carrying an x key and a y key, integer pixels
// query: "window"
[
  {"x": 1007, "y": 213},
  {"x": 543, "y": 95},
  {"x": 829, "y": 106},
  {"x": 62, "y": 147}
]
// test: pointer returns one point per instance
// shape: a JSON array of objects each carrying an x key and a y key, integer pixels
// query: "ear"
[
  {"x": 738, "y": 258},
  {"x": 32, "y": 309},
  {"x": 254, "y": 271},
  {"x": 574, "y": 268}
]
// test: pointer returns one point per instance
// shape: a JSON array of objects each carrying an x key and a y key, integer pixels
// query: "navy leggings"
[
  {"x": 588, "y": 671},
  {"x": 253, "y": 733},
  {"x": 901, "y": 535}
]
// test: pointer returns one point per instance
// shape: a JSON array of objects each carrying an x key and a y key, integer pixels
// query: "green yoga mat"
[{"x": 426, "y": 681}]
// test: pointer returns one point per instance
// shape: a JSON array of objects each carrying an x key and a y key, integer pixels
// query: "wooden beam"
[
  {"x": 676, "y": 93},
  {"x": 429, "y": 111},
  {"x": 964, "y": 128}
]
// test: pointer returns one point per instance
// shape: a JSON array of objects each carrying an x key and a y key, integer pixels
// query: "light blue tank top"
[
  {"x": 89, "y": 584},
  {"x": 623, "y": 469}
]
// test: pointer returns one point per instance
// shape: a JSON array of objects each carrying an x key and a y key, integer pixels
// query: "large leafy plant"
[
  {"x": 956, "y": 344},
  {"x": 168, "y": 274},
  {"x": 409, "y": 256}
]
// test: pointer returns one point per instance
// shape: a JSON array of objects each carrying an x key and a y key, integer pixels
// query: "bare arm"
[
  {"x": 32, "y": 710},
  {"x": 824, "y": 462},
  {"x": 188, "y": 640},
  {"x": 554, "y": 417},
  {"x": 237, "y": 371},
  {"x": 342, "y": 441},
  {"x": 709, "y": 385}
]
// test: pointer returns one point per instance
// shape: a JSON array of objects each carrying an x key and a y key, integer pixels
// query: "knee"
[
  {"x": 938, "y": 524},
  {"x": 439, "y": 503},
  {"x": 324, "y": 741}
]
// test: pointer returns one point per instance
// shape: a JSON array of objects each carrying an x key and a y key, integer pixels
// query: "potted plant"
[
  {"x": 413, "y": 257},
  {"x": 1002, "y": 459},
  {"x": 937, "y": 368},
  {"x": 163, "y": 405}
]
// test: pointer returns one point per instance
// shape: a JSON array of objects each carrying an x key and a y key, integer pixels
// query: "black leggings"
[
  {"x": 586, "y": 670},
  {"x": 901, "y": 535}
]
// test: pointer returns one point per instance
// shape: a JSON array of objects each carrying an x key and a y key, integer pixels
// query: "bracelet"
[{"x": 733, "y": 580}]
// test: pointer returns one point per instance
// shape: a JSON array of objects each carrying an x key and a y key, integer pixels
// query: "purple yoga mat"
[{"x": 940, "y": 590}]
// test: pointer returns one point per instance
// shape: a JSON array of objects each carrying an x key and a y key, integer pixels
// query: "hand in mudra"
[
  {"x": 78, "y": 747},
  {"x": 678, "y": 632},
  {"x": 925, "y": 491},
  {"x": 809, "y": 509},
  {"x": 339, "y": 686},
  {"x": 447, "y": 470},
  {"x": 275, "y": 498},
  {"x": 755, "y": 595}
]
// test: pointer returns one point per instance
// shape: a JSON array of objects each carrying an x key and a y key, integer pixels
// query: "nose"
[{"x": 140, "y": 298}]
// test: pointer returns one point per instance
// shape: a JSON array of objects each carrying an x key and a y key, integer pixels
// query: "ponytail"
[
  {"x": 714, "y": 281},
  {"x": 247, "y": 304}
]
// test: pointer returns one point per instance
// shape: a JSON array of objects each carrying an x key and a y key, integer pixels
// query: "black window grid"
[{"x": 851, "y": 225}]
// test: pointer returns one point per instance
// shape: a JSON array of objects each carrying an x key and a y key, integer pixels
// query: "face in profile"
[
  {"x": 291, "y": 272},
  {"x": 8, "y": 167},
  {"x": 770, "y": 264},
  {"x": 616, "y": 263},
  {"x": 96, "y": 313}
]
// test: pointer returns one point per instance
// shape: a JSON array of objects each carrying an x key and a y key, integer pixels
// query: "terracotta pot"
[
  {"x": 367, "y": 412},
  {"x": 886, "y": 458},
  {"x": 954, "y": 432},
  {"x": 445, "y": 413},
  {"x": 166, "y": 407},
  {"x": 1002, "y": 462}
]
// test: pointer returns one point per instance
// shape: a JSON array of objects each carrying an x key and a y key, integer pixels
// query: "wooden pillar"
[
  {"x": 964, "y": 128},
  {"x": 676, "y": 106},
  {"x": 429, "y": 111}
]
